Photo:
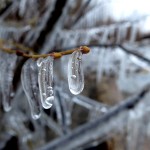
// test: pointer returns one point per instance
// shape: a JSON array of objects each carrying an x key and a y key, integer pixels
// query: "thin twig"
[
  {"x": 17, "y": 45},
  {"x": 83, "y": 49},
  {"x": 124, "y": 48}
]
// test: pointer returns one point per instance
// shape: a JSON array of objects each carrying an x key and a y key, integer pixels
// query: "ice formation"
[
  {"x": 45, "y": 80},
  {"x": 8, "y": 66},
  {"x": 30, "y": 87},
  {"x": 75, "y": 73}
]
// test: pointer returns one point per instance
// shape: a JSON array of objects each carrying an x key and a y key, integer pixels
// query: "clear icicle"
[
  {"x": 75, "y": 73},
  {"x": 133, "y": 33},
  {"x": 104, "y": 38},
  {"x": 30, "y": 86},
  {"x": 8, "y": 67},
  {"x": 45, "y": 80},
  {"x": 2, "y": 62},
  {"x": 100, "y": 65},
  {"x": 118, "y": 40},
  {"x": 68, "y": 107},
  {"x": 23, "y": 7}
]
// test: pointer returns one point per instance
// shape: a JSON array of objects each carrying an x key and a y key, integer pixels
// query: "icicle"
[
  {"x": 75, "y": 73},
  {"x": 104, "y": 38},
  {"x": 118, "y": 38},
  {"x": 133, "y": 35},
  {"x": 45, "y": 80},
  {"x": 67, "y": 103},
  {"x": 122, "y": 33},
  {"x": 23, "y": 7},
  {"x": 1, "y": 73},
  {"x": 8, "y": 67},
  {"x": 100, "y": 65},
  {"x": 30, "y": 87}
]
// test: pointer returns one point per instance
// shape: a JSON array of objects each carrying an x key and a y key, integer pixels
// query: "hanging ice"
[
  {"x": 45, "y": 80},
  {"x": 39, "y": 62},
  {"x": 29, "y": 79},
  {"x": 8, "y": 66},
  {"x": 75, "y": 73}
]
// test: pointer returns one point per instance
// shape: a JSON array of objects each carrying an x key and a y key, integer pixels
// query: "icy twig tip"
[{"x": 85, "y": 49}]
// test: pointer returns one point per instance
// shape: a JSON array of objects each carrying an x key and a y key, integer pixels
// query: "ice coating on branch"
[
  {"x": 75, "y": 73},
  {"x": 8, "y": 67},
  {"x": 29, "y": 79},
  {"x": 45, "y": 80}
]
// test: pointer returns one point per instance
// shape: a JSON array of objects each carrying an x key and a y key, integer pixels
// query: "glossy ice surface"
[
  {"x": 75, "y": 73},
  {"x": 45, "y": 80},
  {"x": 30, "y": 87}
]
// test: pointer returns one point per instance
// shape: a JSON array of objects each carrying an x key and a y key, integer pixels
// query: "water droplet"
[
  {"x": 51, "y": 92},
  {"x": 36, "y": 116},
  {"x": 73, "y": 77},
  {"x": 75, "y": 73},
  {"x": 104, "y": 110},
  {"x": 49, "y": 87},
  {"x": 44, "y": 94},
  {"x": 49, "y": 100},
  {"x": 39, "y": 61},
  {"x": 12, "y": 94}
]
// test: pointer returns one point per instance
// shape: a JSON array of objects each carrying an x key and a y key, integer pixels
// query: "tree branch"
[{"x": 83, "y": 49}]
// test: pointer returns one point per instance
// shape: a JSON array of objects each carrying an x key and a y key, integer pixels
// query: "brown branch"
[
  {"x": 16, "y": 45},
  {"x": 123, "y": 48},
  {"x": 83, "y": 49}
]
